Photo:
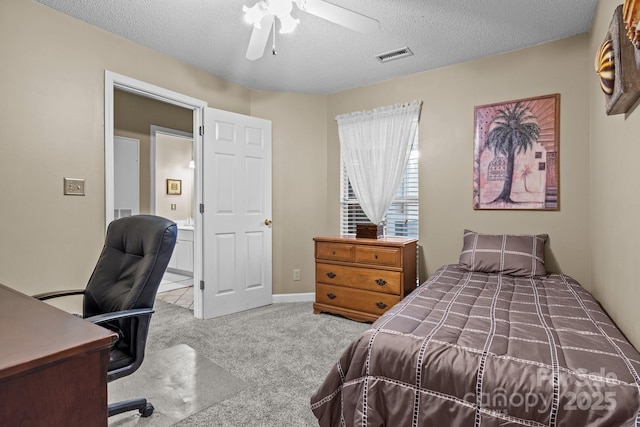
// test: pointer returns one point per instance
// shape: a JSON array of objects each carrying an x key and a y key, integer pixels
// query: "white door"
[
  {"x": 126, "y": 177},
  {"x": 236, "y": 196}
]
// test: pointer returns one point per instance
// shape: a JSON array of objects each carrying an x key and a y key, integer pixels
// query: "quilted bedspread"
[{"x": 477, "y": 349}]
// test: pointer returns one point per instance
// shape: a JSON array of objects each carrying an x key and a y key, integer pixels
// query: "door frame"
[{"x": 114, "y": 81}]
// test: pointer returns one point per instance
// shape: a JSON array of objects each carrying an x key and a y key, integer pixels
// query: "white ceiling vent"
[{"x": 394, "y": 54}]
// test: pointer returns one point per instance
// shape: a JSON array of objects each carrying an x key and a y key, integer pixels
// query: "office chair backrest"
[{"x": 134, "y": 258}]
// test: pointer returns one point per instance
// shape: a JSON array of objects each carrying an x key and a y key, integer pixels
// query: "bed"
[{"x": 491, "y": 341}]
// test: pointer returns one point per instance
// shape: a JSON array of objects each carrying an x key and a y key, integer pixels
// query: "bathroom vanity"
[{"x": 182, "y": 258}]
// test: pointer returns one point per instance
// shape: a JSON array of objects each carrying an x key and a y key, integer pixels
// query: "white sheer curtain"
[{"x": 375, "y": 147}]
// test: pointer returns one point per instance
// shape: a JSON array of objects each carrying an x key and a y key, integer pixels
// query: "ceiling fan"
[{"x": 262, "y": 16}]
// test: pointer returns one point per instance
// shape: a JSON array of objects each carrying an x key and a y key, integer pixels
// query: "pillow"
[{"x": 516, "y": 255}]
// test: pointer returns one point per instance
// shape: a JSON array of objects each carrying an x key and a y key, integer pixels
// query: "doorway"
[
  {"x": 172, "y": 156},
  {"x": 167, "y": 157},
  {"x": 238, "y": 251},
  {"x": 195, "y": 107}
]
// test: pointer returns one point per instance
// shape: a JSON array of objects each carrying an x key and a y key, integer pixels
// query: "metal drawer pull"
[
  {"x": 332, "y": 296},
  {"x": 381, "y": 305},
  {"x": 331, "y": 275},
  {"x": 381, "y": 282}
]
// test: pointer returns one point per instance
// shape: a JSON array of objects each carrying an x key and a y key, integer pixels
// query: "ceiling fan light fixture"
[
  {"x": 280, "y": 8},
  {"x": 263, "y": 15},
  {"x": 254, "y": 14}
]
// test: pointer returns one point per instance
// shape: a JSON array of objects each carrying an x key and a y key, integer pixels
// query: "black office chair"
[{"x": 122, "y": 289}]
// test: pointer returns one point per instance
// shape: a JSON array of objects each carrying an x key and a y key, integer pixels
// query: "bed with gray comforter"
[{"x": 471, "y": 348}]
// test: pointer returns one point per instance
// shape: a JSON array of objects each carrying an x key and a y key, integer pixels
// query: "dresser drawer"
[
  {"x": 355, "y": 299},
  {"x": 335, "y": 251},
  {"x": 379, "y": 255},
  {"x": 360, "y": 278}
]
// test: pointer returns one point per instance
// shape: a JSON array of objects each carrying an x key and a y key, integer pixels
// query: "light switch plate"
[{"x": 73, "y": 187}]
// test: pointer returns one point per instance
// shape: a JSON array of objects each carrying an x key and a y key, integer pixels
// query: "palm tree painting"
[{"x": 516, "y": 154}]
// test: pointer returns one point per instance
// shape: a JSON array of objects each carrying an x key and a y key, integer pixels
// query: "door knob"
[{"x": 267, "y": 222}]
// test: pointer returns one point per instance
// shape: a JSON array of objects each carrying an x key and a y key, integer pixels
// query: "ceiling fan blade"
[
  {"x": 259, "y": 38},
  {"x": 341, "y": 16}
]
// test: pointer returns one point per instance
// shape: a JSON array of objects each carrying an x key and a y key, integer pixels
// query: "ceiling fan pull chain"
[{"x": 273, "y": 47}]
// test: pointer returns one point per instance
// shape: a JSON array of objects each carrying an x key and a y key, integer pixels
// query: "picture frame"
[
  {"x": 174, "y": 187},
  {"x": 516, "y": 147}
]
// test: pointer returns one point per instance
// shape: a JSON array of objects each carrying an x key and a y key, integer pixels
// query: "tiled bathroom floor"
[{"x": 176, "y": 289}]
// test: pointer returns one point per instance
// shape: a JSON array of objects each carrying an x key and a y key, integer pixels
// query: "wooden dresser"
[{"x": 362, "y": 278}]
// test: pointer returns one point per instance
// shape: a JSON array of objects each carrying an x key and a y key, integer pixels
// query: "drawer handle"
[
  {"x": 381, "y": 282},
  {"x": 332, "y": 296},
  {"x": 331, "y": 275},
  {"x": 381, "y": 305},
  {"x": 375, "y": 256},
  {"x": 333, "y": 253}
]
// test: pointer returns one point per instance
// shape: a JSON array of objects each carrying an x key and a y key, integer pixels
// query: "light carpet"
[{"x": 268, "y": 361}]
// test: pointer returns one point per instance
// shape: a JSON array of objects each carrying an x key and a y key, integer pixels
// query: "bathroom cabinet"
[{"x": 182, "y": 258}]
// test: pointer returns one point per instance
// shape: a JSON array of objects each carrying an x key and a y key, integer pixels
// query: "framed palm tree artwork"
[{"x": 516, "y": 154}]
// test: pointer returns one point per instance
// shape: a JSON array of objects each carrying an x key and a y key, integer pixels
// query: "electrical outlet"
[
  {"x": 73, "y": 187},
  {"x": 296, "y": 274}
]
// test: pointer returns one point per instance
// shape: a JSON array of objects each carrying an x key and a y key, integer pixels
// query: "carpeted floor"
[{"x": 273, "y": 358}]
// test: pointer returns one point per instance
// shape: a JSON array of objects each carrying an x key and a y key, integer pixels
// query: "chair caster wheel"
[{"x": 147, "y": 410}]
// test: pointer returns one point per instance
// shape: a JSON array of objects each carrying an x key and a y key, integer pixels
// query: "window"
[{"x": 402, "y": 215}]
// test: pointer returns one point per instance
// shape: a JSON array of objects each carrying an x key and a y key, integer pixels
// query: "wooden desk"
[{"x": 53, "y": 365}]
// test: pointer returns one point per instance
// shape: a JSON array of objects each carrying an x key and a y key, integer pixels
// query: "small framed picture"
[{"x": 174, "y": 186}]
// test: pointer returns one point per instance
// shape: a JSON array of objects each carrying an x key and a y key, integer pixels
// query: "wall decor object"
[
  {"x": 174, "y": 186},
  {"x": 615, "y": 64},
  {"x": 516, "y": 154},
  {"x": 605, "y": 66},
  {"x": 631, "y": 19}
]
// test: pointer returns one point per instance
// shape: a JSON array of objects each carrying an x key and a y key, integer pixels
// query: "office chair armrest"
[
  {"x": 56, "y": 294},
  {"x": 117, "y": 315}
]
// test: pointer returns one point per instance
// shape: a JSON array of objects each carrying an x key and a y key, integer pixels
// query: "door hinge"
[
  {"x": 201, "y": 285},
  {"x": 201, "y": 208},
  {"x": 201, "y": 130}
]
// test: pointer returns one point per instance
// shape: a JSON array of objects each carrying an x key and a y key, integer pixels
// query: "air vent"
[{"x": 394, "y": 54}]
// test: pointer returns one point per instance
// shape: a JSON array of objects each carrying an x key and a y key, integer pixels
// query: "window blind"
[{"x": 402, "y": 215}]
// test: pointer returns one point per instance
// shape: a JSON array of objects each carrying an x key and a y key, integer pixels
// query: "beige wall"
[
  {"x": 299, "y": 183},
  {"x": 51, "y": 126},
  {"x": 133, "y": 116},
  {"x": 446, "y": 148},
  {"x": 615, "y": 209}
]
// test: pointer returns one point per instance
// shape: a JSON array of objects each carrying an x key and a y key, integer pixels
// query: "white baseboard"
[{"x": 306, "y": 297}]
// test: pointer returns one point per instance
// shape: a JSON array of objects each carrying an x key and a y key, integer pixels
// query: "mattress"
[{"x": 477, "y": 349}]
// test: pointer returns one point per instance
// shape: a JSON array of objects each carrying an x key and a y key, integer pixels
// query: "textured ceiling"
[{"x": 322, "y": 57}]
